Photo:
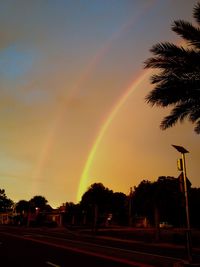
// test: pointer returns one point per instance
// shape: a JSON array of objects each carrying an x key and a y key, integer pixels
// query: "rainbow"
[
  {"x": 107, "y": 122},
  {"x": 85, "y": 75},
  {"x": 59, "y": 116}
]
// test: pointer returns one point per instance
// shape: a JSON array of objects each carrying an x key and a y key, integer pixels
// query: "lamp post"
[
  {"x": 183, "y": 151},
  {"x": 130, "y": 207}
]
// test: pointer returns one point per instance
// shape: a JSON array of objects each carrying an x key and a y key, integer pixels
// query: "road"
[
  {"x": 20, "y": 252},
  {"x": 26, "y": 247}
]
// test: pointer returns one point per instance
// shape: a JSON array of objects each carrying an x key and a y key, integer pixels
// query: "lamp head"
[{"x": 180, "y": 149}]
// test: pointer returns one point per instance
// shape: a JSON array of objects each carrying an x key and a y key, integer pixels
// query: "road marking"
[{"x": 52, "y": 264}]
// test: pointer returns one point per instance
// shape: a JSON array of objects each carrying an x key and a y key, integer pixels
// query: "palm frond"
[
  {"x": 171, "y": 90},
  {"x": 196, "y": 12},
  {"x": 195, "y": 113},
  {"x": 177, "y": 83},
  {"x": 177, "y": 58},
  {"x": 187, "y": 31},
  {"x": 180, "y": 112},
  {"x": 168, "y": 50},
  {"x": 164, "y": 97},
  {"x": 162, "y": 63}
]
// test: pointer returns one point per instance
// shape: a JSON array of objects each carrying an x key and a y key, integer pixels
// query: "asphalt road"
[
  {"x": 26, "y": 247},
  {"x": 26, "y": 253}
]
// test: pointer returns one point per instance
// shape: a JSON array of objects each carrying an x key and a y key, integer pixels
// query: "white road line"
[{"x": 52, "y": 264}]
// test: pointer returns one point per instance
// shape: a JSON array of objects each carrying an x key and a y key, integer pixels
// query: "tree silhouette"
[
  {"x": 22, "y": 206},
  {"x": 98, "y": 202},
  {"x": 72, "y": 214},
  {"x": 194, "y": 203},
  {"x": 119, "y": 208},
  {"x": 178, "y": 82},
  {"x": 38, "y": 202},
  {"x": 159, "y": 201},
  {"x": 5, "y": 203}
]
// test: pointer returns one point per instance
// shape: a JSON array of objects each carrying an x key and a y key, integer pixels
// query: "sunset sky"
[{"x": 72, "y": 108}]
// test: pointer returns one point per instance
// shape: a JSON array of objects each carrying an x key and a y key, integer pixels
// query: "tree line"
[{"x": 158, "y": 201}]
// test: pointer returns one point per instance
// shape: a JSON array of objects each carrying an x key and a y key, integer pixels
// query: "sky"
[{"x": 72, "y": 97}]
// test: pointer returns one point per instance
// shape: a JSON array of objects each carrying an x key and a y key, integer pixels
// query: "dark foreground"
[
  {"x": 20, "y": 252},
  {"x": 26, "y": 247}
]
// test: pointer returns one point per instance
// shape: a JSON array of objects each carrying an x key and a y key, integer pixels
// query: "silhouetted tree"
[
  {"x": 143, "y": 200},
  {"x": 38, "y": 202},
  {"x": 72, "y": 214},
  {"x": 119, "y": 208},
  {"x": 170, "y": 200},
  {"x": 159, "y": 201},
  {"x": 22, "y": 209},
  {"x": 96, "y": 202},
  {"x": 5, "y": 203},
  {"x": 178, "y": 82},
  {"x": 22, "y": 206},
  {"x": 99, "y": 202},
  {"x": 194, "y": 203}
]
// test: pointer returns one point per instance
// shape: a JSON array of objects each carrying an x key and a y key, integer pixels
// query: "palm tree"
[{"x": 177, "y": 83}]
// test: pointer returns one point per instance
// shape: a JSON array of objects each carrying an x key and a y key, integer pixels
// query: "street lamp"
[{"x": 183, "y": 151}]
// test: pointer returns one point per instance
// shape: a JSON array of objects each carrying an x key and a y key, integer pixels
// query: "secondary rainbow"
[{"x": 56, "y": 125}]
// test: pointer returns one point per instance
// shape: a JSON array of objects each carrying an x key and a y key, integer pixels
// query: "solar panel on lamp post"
[{"x": 183, "y": 151}]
